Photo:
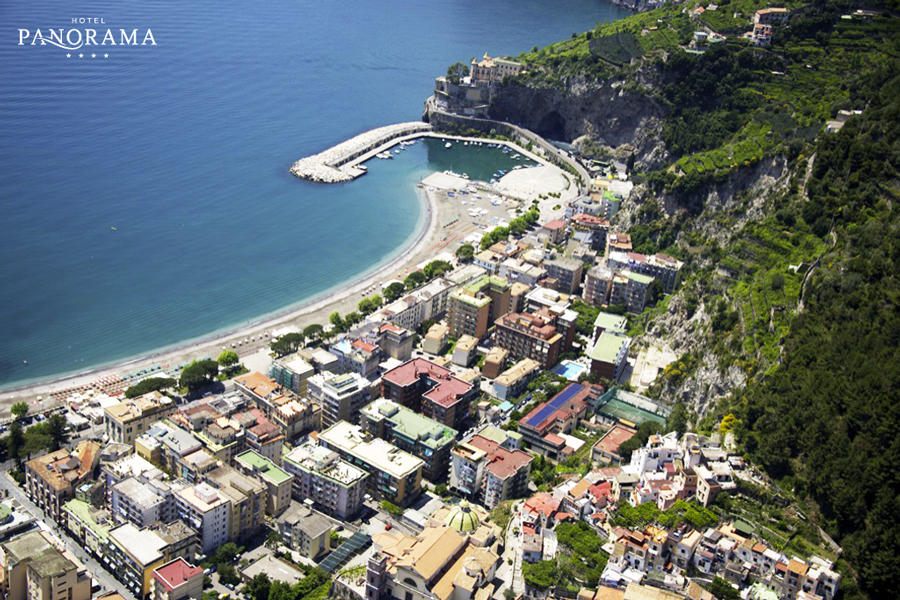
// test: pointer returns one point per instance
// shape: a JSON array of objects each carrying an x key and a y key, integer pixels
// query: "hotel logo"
[{"x": 76, "y": 38}]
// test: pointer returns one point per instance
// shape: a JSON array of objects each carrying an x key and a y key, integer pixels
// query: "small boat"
[
  {"x": 24, "y": 362},
  {"x": 362, "y": 168},
  {"x": 113, "y": 229},
  {"x": 447, "y": 145}
]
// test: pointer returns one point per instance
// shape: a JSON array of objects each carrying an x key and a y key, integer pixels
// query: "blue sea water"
[{"x": 184, "y": 148}]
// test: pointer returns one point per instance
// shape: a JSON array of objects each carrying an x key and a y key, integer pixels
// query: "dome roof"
[{"x": 462, "y": 518}]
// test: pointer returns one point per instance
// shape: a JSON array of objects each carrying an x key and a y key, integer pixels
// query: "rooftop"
[
  {"x": 447, "y": 390},
  {"x": 144, "y": 545},
  {"x": 502, "y": 463},
  {"x": 303, "y": 517},
  {"x": 608, "y": 347},
  {"x": 614, "y": 438},
  {"x": 42, "y": 555},
  {"x": 175, "y": 573},
  {"x": 263, "y": 467},
  {"x": 136, "y": 407},
  {"x": 326, "y": 462},
  {"x": 610, "y": 322},
  {"x": 515, "y": 373},
  {"x": 410, "y": 424},
  {"x": 378, "y": 453}
]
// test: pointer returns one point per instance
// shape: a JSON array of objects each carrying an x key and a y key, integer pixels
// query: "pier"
[{"x": 339, "y": 163}]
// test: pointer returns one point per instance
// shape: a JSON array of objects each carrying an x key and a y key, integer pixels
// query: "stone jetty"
[{"x": 339, "y": 163}]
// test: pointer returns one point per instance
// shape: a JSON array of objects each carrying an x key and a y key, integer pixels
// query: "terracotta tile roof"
[
  {"x": 555, "y": 225},
  {"x": 542, "y": 503},
  {"x": 580, "y": 488},
  {"x": 448, "y": 389},
  {"x": 795, "y": 566}
]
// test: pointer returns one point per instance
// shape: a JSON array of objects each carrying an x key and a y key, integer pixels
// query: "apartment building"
[
  {"x": 597, "y": 285},
  {"x": 356, "y": 356},
  {"x": 490, "y": 468},
  {"x": 143, "y": 503},
  {"x": 425, "y": 438},
  {"x": 278, "y": 482},
  {"x": 396, "y": 342},
  {"x": 394, "y": 475},
  {"x": 513, "y": 381},
  {"x": 494, "y": 362},
  {"x": 475, "y": 306},
  {"x": 133, "y": 554},
  {"x": 247, "y": 500},
  {"x": 567, "y": 272},
  {"x": 33, "y": 568},
  {"x": 532, "y": 336},
  {"x": 431, "y": 390},
  {"x": 559, "y": 414},
  {"x": 609, "y": 355},
  {"x": 51, "y": 479},
  {"x": 517, "y": 270},
  {"x": 336, "y": 487},
  {"x": 177, "y": 580},
  {"x": 291, "y": 372},
  {"x": 127, "y": 420},
  {"x": 207, "y": 511},
  {"x": 631, "y": 290},
  {"x": 340, "y": 397},
  {"x": 436, "y": 339},
  {"x": 305, "y": 531}
]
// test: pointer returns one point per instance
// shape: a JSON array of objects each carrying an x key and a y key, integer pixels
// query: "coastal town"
[{"x": 476, "y": 422}]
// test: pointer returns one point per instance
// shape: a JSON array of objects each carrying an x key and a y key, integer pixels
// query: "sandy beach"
[{"x": 447, "y": 224}]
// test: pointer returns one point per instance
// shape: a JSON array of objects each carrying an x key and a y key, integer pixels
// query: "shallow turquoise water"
[{"x": 184, "y": 147}]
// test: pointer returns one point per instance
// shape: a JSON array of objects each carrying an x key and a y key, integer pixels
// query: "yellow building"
[
  {"x": 127, "y": 420},
  {"x": 34, "y": 569}
]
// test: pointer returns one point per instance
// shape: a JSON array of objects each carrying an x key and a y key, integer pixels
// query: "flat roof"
[
  {"x": 614, "y": 438},
  {"x": 377, "y": 453},
  {"x": 410, "y": 424},
  {"x": 144, "y": 545},
  {"x": 325, "y": 462},
  {"x": 263, "y": 467},
  {"x": 176, "y": 573},
  {"x": 610, "y": 322},
  {"x": 608, "y": 347}
]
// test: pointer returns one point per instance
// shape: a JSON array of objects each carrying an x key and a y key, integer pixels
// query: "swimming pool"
[{"x": 569, "y": 369}]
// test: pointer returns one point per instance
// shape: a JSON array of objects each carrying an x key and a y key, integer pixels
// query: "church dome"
[{"x": 462, "y": 518}]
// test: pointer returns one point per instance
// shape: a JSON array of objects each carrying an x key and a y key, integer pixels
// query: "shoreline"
[{"x": 303, "y": 313}]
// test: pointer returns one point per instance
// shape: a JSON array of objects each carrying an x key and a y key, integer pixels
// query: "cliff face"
[{"x": 606, "y": 113}]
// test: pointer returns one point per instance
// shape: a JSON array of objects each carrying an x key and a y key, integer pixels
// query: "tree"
[
  {"x": 287, "y": 344},
  {"x": 436, "y": 268},
  {"x": 414, "y": 280},
  {"x": 365, "y": 306},
  {"x": 678, "y": 419},
  {"x": 281, "y": 590},
  {"x": 465, "y": 253},
  {"x": 226, "y": 553},
  {"x": 258, "y": 588},
  {"x": 151, "y": 384},
  {"x": 313, "y": 332},
  {"x": 19, "y": 410},
  {"x": 394, "y": 291},
  {"x": 456, "y": 72},
  {"x": 15, "y": 442},
  {"x": 228, "y": 574},
  {"x": 723, "y": 590},
  {"x": 391, "y": 508},
  {"x": 273, "y": 540},
  {"x": 228, "y": 358},
  {"x": 336, "y": 320},
  {"x": 198, "y": 374},
  {"x": 57, "y": 427}
]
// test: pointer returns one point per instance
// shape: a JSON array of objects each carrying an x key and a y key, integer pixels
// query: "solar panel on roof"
[
  {"x": 554, "y": 405},
  {"x": 352, "y": 546}
]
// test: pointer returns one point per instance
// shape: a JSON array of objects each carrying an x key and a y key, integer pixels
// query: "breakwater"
[{"x": 339, "y": 163}]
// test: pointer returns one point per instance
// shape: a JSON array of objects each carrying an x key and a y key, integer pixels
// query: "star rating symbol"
[
  {"x": 68, "y": 56},
  {"x": 81, "y": 56},
  {"x": 93, "y": 56},
  {"x": 106, "y": 56}
]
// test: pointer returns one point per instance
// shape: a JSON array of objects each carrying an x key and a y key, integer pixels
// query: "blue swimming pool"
[{"x": 570, "y": 370}]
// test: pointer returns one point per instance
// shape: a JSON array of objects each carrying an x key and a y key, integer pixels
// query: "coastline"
[{"x": 343, "y": 298}]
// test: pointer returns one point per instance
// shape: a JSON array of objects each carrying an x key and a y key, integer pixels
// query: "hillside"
[{"x": 788, "y": 317}]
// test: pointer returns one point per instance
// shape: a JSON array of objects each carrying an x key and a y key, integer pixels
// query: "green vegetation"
[
  {"x": 391, "y": 508},
  {"x": 648, "y": 514},
  {"x": 198, "y": 374},
  {"x": 517, "y": 227},
  {"x": 456, "y": 72},
  {"x": 19, "y": 410},
  {"x": 228, "y": 358},
  {"x": 287, "y": 344},
  {"x": 394, "y": 291},
  {"x": 581, "y": 558},
  {"x": 465, "y": 253},
  {"x": 370, "y": 304},
  {"x": 502, "y": 514},
  {"x": 151, "y": 384}
]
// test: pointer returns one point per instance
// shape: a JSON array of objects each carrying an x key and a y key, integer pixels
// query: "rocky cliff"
[{"x": 608, "y": 113}]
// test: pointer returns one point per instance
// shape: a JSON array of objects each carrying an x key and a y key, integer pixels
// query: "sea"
[{"x": 146, "y": 199}]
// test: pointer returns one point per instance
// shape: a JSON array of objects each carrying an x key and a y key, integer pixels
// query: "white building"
[{"x": 207, "y": 511}]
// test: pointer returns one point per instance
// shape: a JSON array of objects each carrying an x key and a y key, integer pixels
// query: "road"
[{"x": 98, "y": 573}]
